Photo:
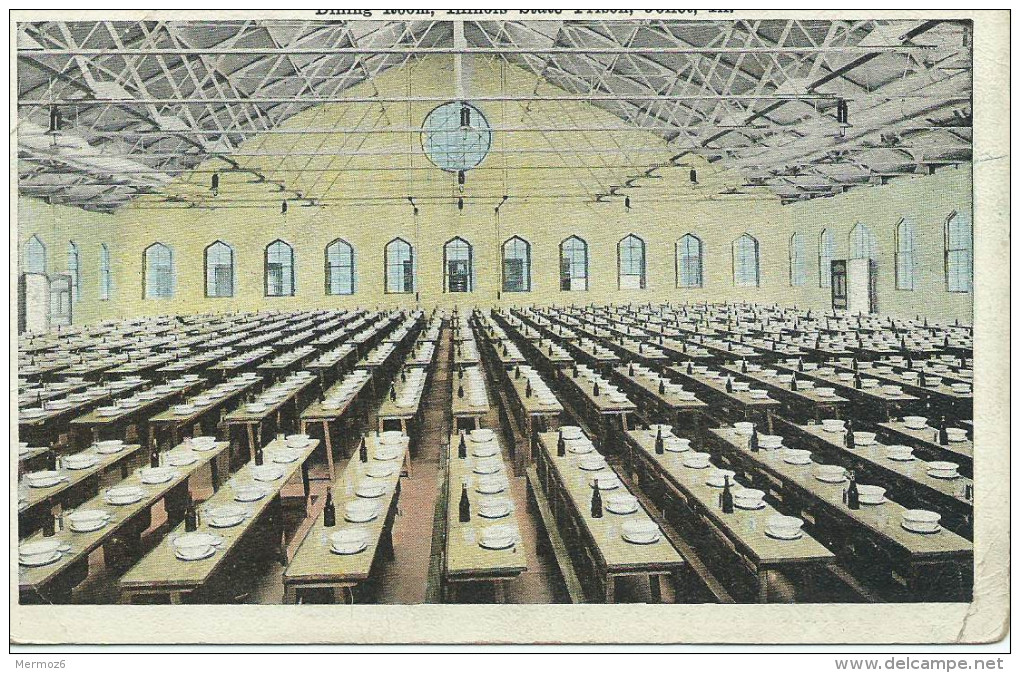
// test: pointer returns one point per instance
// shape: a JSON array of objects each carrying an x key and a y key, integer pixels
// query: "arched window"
[
  {"x": 826, "y": 251},
  {"x": 516, "y": 265},
  {"x": 159, "y": 271},
  {"x": 74, "y": 269},
  {"x": 688, "y": 261},
  {"x": 399, "y": 266},
  {"x": 573, "y": 264},
  {"x": 798, "y": 270},
  {"x": 219, "y": 270},
  {"x": 457, "y": 265},
  {"x": 959, "y": 246},
  {"x": 339, "y": 267},
  {"x": 862, "y": 242},
  {"x": 35, "y": 256},
  {"x": 745, "y": 261},
  {"x": 905, "y": 255},
  {"x": 630, "y": 262},
  {"x": 279, "y": 269},
  {"x": 105, "y": 274}
]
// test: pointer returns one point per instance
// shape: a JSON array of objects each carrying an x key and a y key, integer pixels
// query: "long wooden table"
[
  {"x": 465, "y": 559},
  {"x": 597, "y": 543},
  {"x": 742, "y": 532},
  {"x": 162, "y": 574},
  {"x": 53, "y": 583},
  {"x": 314, "y": 565},
  {"x": 927, "y": 566}
]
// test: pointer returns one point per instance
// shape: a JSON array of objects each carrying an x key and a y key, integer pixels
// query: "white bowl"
[
  {"x": 297, "y": 441},
  {"x": 43, "y": 478},
  {"x": 749, "y": 498},
  {"x": 266, "y": 472},
  {"x": 642, "y": 531},
  {"x": 921, "y": 521},
  {"x": 124, "y": 495},
  {"x": 869, "y": 383},
  {"x": 571, "y": 432},
  {"x": 899, "y": 452},
  {"x": 348, "y": 541},
  {"x": 832, "y": 425},
  {"x": 784, "y": 526},
  {"x": 87, "y": 520},
  {"x": 864, "y": 438},
  {"x": 825, "y": 392},
  {"x": 717, "y": 478},
  {"x": 943, "y": 468},
  {"x": 770, "y": 441},
  {"x": 655, "y": 428},
  {"x": 915, "y": 422},
  {"x": 592, "y": 463},
  {"x": 870, "y": 495},
  {"x": 482, "y": 435},
  {"x": 676, "y": 444},
  {"x": 39, "y": 552},
  {"x": 797, "y": 456},
  {"x": 697, "y": 460},
  {"x": 156, "y": 475},
  {"x": 830, "y": 474},
  {"x": 759, "y": 394},
  {"x": 249, "y": 492},
  {"x": 744, "y": 428},
  {"x": 621, "y": 503},
  {"x": 79, "y": 461},
  {"x": 961, "y": 388},
  {"x": 892, "y": 390},
  {"x": 956, "y": 434}
]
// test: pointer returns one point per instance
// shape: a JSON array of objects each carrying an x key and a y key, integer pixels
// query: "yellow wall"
[{"x": 367, "y": 207}]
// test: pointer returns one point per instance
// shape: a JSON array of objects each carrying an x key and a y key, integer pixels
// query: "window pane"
[
  {"x": 399, "y": 267},
  {"x": 279, "y": 270},
  {"x": 959, "y": 251},
  {"x": 516, "y": 265},
  {"x": 689, "y": 262},
  {"x": 339, "y": 268},
  {"x": 35, "y": 256},
  {"x": 745, "y": 261},
  {"x": 573, "y": 265},
  {"x": 458, "y": 265},
  {"x": 159, "y": 272},
  {"x": 104, "y": 272},
  {"x": 826, "y": 251}
]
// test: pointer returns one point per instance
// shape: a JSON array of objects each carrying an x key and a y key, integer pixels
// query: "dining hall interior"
[{"x": 558, "y": 310}]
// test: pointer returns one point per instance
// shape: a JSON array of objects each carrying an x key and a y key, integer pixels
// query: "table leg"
[
  {"x": 329, "y": 449},
  {"x": 214, "y": 469},
  {"x": 289, "y": 595},
  {"x": 655, "y": 587},
  {"x": 251, "y": 441},
  {"x": 610, "y": 589},
  {"x": 499, "y": 591},
  {"x": 763, "y": 585}
]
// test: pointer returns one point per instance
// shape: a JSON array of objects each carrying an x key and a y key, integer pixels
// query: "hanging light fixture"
[
  {"x": 460, "y": 203},
  {"x": 215, "y": 185},
  {"x": 283, "y": 207},
  {"x": 694, "y": 176},
  {"x": 626, "y": 202},
  {"x": 56, "y": 122},
  {"x": 461, "y": 179},
  {"x": 465, "y": 116}
]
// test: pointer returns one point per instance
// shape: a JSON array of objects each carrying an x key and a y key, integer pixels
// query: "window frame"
[
  {"x": 679, "y": 256},
  {"x": 74, "y": 270},
  {"x": 146, "y": 267},
  {"x": 233, "y": 269},
  {"x": 947, "y": 252},
  {"x": 265, "y": 269},
  {"x": 587, "y": 261},
  {"x": 904, "y": 225},
  {"x": 756, "y": 252},
  {"x": 386, "y": 267},
  {"x": 457, "y": 240},
  {"x": 798, "y": 260},
  {"x": 868, "y": 237},
  {"x": 28, "y": 253},
  {"x": 105, "y": 273},
  {"x": 515, "y": 239},
  {"x": 643, "y": 274},
  {"x": 827, "y": 252},
  {"x": 328, "y": 267}
]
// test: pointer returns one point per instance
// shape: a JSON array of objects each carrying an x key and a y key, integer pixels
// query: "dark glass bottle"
[
  {"x": 49, "y": 525},
  {"x": 848, "y": 434},
  {"x": 259, "y": 457},
  {"x": 726, "y": 497},
  {"x": 465, "y": 504},
  {"x": 561, "y": 445},
  {"x": 329, "y": 511},
  {"x": 943, "y": 432},
  {"x": 659, "y": 444},
  {"x": 853, "y": 496},
  {"x": 460, "y": 391},
  {"x": 595, "y": 389},
  {"x": 51, "y": 460},
  {"x": 393, "y": 393},
  {"x": 793, "y": 382},
  {"x": 596, "y": 501},
  {"x": 729, "y": 384},
  {"x": 630, "y": 369},
  {"x": 190, "y": 515},
  {"x": 403, "y": 375},
  {"x": 743, "y": 366},
  {"x": 462, "y": 446},
  {"x": 154, "y": 456},
  {"x": 517, "y": 372},
  {"x": 753, "y": 442},
  {"x": 527, "y": 388},
  {"x": 857, "y": 381},
  {"x": 363, "y": 451},
  {"x": 690, "y": 367},
  {"x": 662, "y": 387},
  {"x": 800, "y": 364}
]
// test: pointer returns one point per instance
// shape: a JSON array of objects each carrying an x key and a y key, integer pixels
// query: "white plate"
[
  {"x": 369, "y": 488},
  {"x": 249, "y": 493},
  {"x": 181, "y": 557},
  {"x": 349, "y": 550},
  {"x": 785, "y": 535},
  {"x": 79, "y": 462},
  {"x": 45, "y": 561},
  {"x": 181, "y": 459},
  {"x": 361, "y": 511}
]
